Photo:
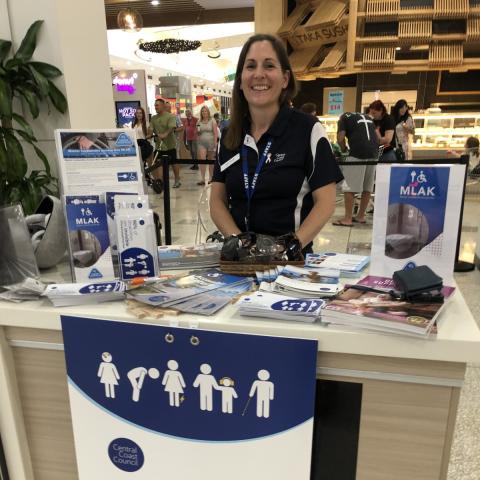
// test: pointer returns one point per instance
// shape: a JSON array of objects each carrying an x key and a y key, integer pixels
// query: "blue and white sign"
[
  {"x": 416, "y": 218},
  {"x": 161, "y": 402},
  {"x": 335, "y": 102}
]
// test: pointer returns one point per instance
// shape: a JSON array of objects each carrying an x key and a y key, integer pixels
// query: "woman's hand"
[{"x": 219, "y": 210}]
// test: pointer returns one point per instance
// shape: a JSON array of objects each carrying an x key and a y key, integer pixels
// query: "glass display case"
[{"x": 443, "y": 131}]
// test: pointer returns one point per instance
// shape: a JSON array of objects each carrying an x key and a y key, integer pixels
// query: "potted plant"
[{"x": 30, "y": 81}]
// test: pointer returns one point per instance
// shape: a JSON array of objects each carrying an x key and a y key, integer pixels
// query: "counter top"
[{"x": 458, "y": 339}]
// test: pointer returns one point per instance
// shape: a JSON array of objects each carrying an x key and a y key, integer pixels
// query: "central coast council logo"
[
  {"x": 123, "y": 140},
  {"x": 126, "y": 455},
  {"x": 418, "y": 185}
]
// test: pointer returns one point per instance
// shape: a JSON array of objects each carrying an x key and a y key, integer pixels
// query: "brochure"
[
  {"x": 416, "y": 218},
  {"x": 281, "y": 307},
  {"x": 177, "y": 257},
  {"x": 68, "y": 294},
  {"x": 346, "y": 263},
  {"x": 167, "y": 293},
  {"x": 88, "y": 237},
  {"x": 98, "y": 161},
  {"x": 378, "y": 311}
]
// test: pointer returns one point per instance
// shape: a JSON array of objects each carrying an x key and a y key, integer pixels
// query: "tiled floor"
[{"x": 191, "y": 222}]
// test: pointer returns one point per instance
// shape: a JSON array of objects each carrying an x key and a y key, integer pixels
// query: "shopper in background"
[
  {"x": 385, "y": 127},
  {"x": 190, "y": 126},
  {"x": 404, "y": 128},
  {"x": 309, "y": 108},
  {"x": 217, "y": 118},
  {"x": 139, "y": 124},
  {"x": 472, "y": 150},
  {"x": 359, "y": 129},
  {"x": 275, "y": 172},
  {"x": 207, "y": 141},
  {"x": 178, "y": 129},
  {"x": 163, "y": 126}
]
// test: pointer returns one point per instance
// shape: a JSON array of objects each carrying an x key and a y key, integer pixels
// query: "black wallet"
[{"x": 417, "y": 283}]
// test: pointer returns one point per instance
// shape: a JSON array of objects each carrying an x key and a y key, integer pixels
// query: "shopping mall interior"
[{"x": 118, "y": 55}]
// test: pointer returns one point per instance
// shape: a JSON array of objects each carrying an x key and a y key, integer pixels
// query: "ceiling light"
[
  {"x": 129, "y": 19},
  {"x": 155, "y": 2},
  {"x": 398, "y": 48}
]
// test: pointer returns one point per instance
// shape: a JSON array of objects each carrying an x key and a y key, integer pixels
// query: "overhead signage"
[
  {"x": 303, "y": 38},
  {"x": 125, "y": 84},
  {"x": 145, "y": 397}
]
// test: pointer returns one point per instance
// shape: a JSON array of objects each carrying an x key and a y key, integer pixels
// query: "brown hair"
[
  {"x": 233, "y": 135},
  {"x": 378, "y": 106},
  {"x": 144, "y": 120},
  {"x": 309, "y": 107}
]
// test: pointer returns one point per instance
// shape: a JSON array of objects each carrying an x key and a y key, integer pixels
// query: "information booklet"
[
  {"x": 168, "y": 293},
  {"x": 416, "y": 218},
  {"x": 281, "y": 307},
  {"x": 303, "y": 282},
  {"x": 374, "y": 311},
  {"x": 178, "y": 257},
  {"x": 98, "y": 161},
  {"x": 88, "y": 238},
  {"x": 348, "y": 264},
  {"x": 68, "y": 294}
]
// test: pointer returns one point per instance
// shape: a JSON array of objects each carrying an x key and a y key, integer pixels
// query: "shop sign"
[
  {"x": 335, "y": 102},
  {"x": 144, "y": 396},
  {"x": 303, "y": 38},
  {"x": 125, "y": 84}
]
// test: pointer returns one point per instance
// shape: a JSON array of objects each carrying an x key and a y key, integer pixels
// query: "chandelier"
[
  {"x": 170, "y": 45},
  {"x": 129, "y": 19}
]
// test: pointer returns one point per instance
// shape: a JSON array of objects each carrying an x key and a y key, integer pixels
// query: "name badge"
[{"x": 230, "y": 162}]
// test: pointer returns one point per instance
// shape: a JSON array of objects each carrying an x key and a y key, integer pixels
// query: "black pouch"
[{"x": 418, "y": 283}]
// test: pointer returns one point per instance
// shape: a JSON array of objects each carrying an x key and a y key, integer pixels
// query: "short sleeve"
[
  {"x": 342, "y": 124},
  {"x": 389, "y": 123},
  {"x": 323, "y": 169},
  {"x": 219, "y": 176}
]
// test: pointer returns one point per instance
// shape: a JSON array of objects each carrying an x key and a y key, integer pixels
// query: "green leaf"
[
  {"x": 57, "y": 97},
  {"x": 16, "y": 162},
  {"x": 31, "y": 100},
  {"x": 12, "y": 63},
  {"x": 5, "y": 99},
  {"x": 5, "y": 47},
  {"x": 25, "y": 126},
  {"x": 29, "y": 42},
  {"x": 46, "y": 69},
  {"x": 40, "y": 81},
  {"x": 43, "y": 158},
  {"x": 3, "y": 157},
  {"x": 25, "y": 136}
]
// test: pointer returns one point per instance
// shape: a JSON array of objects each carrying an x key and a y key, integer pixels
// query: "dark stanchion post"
[
  {"x": 3, "y": 464},
  {"x": 461, "y": 265},
  {"x": 166, "y": 200}
]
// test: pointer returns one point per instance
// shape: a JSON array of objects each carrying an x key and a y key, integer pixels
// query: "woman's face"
[
  {"x": 139, "y": 115},
  {"x": 403, "y": 110},
  {"x": 263, "y": 79},
  {"x": 204, "y": 114}
]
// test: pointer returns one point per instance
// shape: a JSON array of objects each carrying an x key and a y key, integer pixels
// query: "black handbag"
[
  {"x": 399, "y": 153},
  {"x": 146, "y": 148}
]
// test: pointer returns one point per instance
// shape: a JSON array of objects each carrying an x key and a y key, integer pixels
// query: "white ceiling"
[{"x": 123, "y": 45}]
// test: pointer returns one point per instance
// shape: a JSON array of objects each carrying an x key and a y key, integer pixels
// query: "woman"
[
  {"x": 275, "y": 172},
  {"x": 404, "y": 127},
  {"x": 207, "y": 139},
  {"x": 385, "y": 128},
  {"x": 139, "y": 124}
]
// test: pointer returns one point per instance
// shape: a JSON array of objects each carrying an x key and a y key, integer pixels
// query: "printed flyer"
[
  {"x": 417, "y": 213},
  {"x": 97, "y": 161},
  {"x": 151, "y": 402}
]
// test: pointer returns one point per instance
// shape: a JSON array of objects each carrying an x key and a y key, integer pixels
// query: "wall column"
[{"x": 269, "y": 15}]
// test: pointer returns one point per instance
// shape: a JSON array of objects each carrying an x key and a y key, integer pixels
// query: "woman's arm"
[
  {"x": 219, "y": 210},
  {"x": 215, "y": 132},
  {"x": 323, "y": 208},
  {"x": 409, "y": 126},
  {"x": 385, "y": 140}
]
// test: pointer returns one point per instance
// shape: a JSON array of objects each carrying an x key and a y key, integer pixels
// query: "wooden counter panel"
[
  {"x": 404, "y": 366},
  {"x": 33, "y": 335},
  {"x": 42, "y": 381}
]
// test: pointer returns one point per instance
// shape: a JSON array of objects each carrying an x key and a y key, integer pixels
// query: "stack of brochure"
[
  {"x": 178, "y": 257},
  {"x": 203, "y": 291},
  {"x": 272, "y": 305},
  {"x": 379, "y": 312},
  {"x": 349, "y": 265},
  {"x": 68, "y": 294},
  {"x": 304, "y": 282},
  {"x": 28, "y": 289}
]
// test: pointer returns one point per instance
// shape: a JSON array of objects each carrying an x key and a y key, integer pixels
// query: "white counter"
[{"x": 458, "y": 339}]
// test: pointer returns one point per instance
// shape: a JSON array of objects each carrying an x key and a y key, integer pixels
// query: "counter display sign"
[
  {"x": 96, "y": 161},
  {"x": 335, "y": 102},
  {"x": 416, "y": 218},
  {"x": 145, "y": 398}
]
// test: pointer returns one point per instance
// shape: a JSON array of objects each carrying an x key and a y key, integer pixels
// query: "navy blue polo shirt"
[{"x": 299, "y": 161}]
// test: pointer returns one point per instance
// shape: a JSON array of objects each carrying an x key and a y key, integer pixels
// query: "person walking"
[
  {"x": 359, "y": 130},
  {"x": 190, "y": 126},
  {"x": 207, "y": 141}
]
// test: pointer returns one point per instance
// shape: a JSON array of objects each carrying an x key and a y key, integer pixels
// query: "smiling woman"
[{"x": 276, "y": 172}]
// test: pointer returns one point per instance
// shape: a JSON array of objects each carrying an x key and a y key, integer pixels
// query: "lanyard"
[{"x": 250, "y": 188}]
